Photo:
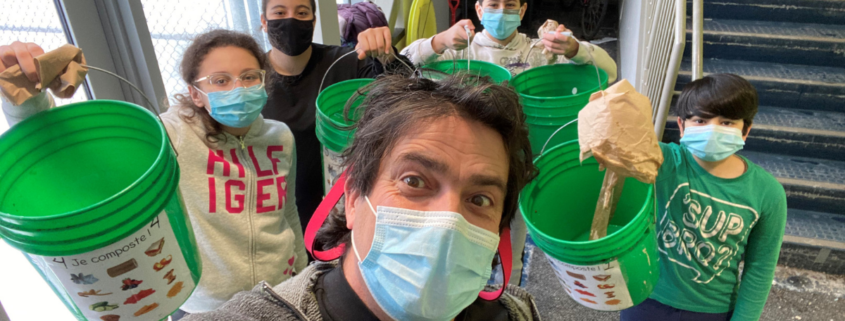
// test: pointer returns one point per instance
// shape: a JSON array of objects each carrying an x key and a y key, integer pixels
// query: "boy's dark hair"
[
  {"x": 725, "y": 95},
  {"x": 264, "y": 7},
  {"x": 521, "y": 2},
  {"x": 394, "y": 105},
  {"x": 189, "y": 69}
]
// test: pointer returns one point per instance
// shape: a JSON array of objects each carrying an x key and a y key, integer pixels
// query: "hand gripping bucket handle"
[{"x": 323, "y": 211}]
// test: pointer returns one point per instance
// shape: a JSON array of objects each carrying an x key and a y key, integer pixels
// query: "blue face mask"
[
  {"x": 712, "y": 143},
  {"x": 239, "y": 107},
  {"x": 426, "y": 265},
  {"x": 500, "y": 23}
]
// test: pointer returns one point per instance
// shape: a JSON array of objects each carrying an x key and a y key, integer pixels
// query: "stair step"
[
  {"x": 806, "y": 11},
  {"x": 810, "y": 183},
  {"x": 814, "y": 241},
  {"x": 777, "y": 42},
  {"x": 790, "y": 131},
  {"x": 782, "y": 85}
]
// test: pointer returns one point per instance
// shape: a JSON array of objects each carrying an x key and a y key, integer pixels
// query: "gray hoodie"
[
  {"x": 239, "y": 196},
  {"x": 521, "y": 54},
  {"x": 294, "y": 300}
]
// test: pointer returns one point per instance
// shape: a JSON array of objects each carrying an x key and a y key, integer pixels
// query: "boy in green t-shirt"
[{"x": 715, "y": 209}]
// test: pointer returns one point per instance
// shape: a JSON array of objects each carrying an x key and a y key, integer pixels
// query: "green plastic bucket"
[
  {"x": 476, "y": 67},
  {"x": 552, "y": 96},
  {"x": 89, "y": 193},
  {"x": 611, "y": 273},
  {"x": 330, "y": 105}
]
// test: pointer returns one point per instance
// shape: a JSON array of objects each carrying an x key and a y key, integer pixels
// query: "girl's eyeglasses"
[{"x": 225, "y": 81}]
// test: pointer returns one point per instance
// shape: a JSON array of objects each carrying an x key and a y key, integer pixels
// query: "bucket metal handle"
[
  {"x": 150, "y": 102},
  {"x": 553, "y": 135},
  {"x": 320, "y": 89}
]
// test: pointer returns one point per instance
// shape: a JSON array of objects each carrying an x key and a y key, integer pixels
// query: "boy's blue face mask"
[
  {"x": 500, "y": 23},
  {"x": 239, "y": 107},
  {"x": 712, "y": 143}
]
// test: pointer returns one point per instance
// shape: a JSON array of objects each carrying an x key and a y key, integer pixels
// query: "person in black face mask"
[{"x": 297, "y": 67}]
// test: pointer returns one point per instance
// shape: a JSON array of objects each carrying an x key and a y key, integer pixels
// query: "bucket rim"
[
  {"x": 47, "y": 249},
  {"x": 161, "y": 157},
  {"x": 515, "y": 82},
  {"x": 643, "y": 210},
  {"x": 322, "y": 97}
]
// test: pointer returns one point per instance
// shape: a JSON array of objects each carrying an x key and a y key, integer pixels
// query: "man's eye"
[
  {"x": 414, "y": 182},
  {"x": 481, "y": 201}
]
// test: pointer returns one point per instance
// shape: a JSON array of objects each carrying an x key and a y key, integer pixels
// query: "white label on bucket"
[
  {"x": 599, "y": 287},
  {"x": 141, "y": 277},
  {"x": 332, "y": 168}
]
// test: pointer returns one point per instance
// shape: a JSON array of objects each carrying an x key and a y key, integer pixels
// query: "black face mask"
[{"x": 291, "y": 36}]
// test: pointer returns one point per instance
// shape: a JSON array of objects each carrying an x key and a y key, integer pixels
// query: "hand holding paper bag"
[
  {"x": 61, "y": 70},
  {"x": 616, "y": 129}
]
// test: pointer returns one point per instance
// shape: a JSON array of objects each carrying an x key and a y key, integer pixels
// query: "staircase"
[{"x": 793, "y": 52}]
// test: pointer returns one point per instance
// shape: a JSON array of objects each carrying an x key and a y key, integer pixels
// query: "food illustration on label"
[
  {"x": 155, "y": 248},
  {"x": 103, "y": 306},
  {"x": 577, "y": 276},
  {"x": 121, "y": 268},
  {"x": 613, "y": 302},
  {"x": 585, "y": 293},
  {"x": 145, "y": 309},
  {"x": 601, "y": 278},
  {"x": 610, "y": 295},
  {"x": 83, "y": 279},
  {"x": 175, "y": 289},
  {"x": 138, "y": 296},
  {"x": 92, "y": 293},
  {"x": 129, "y": 284},
  {"x": 588, "y": 300},
  {"x": 110, "y": 317},
  {"x": 161, "y": 264},
  {"x": 170, "y": 277},
  {"x": 580, "y": 285},
  {"x": 606, "y": 286}
]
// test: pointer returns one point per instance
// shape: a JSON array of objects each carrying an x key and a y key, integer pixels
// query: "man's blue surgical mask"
[
  {"x": 712, "y": 143},
  {"x": 426, "y": 265},
  {"x": 500, "y": 23},
  {"x": 239, "y": 107}
]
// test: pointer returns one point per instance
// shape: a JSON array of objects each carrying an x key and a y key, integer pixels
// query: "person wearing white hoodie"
[
  {"x": 502, "y": 44},
  {"x": 237, "y": 168}
]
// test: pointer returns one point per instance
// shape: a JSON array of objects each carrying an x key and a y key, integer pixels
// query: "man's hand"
[
  {"x": 454, "y": 38},
  {"x": 559, "y": 44},
  {"x": 23, "y": 54},
  {"x": 375, "y": 42}
]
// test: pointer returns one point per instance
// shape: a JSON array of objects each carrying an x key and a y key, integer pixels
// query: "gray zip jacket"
[
  {"x": 294, "y": 300},
  {"x": 239, "y": 195}
]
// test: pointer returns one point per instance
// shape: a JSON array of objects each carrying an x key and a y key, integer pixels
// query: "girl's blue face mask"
[
  {"x": 500, "y": 23},
  {"x": 239, "y": 107},
  {"x": 712, "y": 143}
]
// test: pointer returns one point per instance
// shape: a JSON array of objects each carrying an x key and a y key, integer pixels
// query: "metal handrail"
[
  {"x": 675, "y": 57},
  {"x": 697, "y": 39}
]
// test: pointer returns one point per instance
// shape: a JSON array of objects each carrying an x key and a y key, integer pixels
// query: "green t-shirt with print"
[{"x": 706, "y": 225}]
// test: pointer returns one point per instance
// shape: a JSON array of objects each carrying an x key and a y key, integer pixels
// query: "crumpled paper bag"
[
  {"x": 617, "y": 130},
  {"x": 60, "y": 70},
  {"x": 549, "y": 26}
]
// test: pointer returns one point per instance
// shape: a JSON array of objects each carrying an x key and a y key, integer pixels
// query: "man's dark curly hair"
[{"x": 394, "y": 105}]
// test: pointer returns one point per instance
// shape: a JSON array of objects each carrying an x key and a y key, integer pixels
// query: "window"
[
  {"x": 34, "y": 21},
  {"x": 173, "y": 25},
  {"x": 24, "y": 294}
]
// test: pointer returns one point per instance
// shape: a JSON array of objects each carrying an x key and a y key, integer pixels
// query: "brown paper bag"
[
  {"x": 60, "y": 70},
  {"x": 617, "y": 130}
]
